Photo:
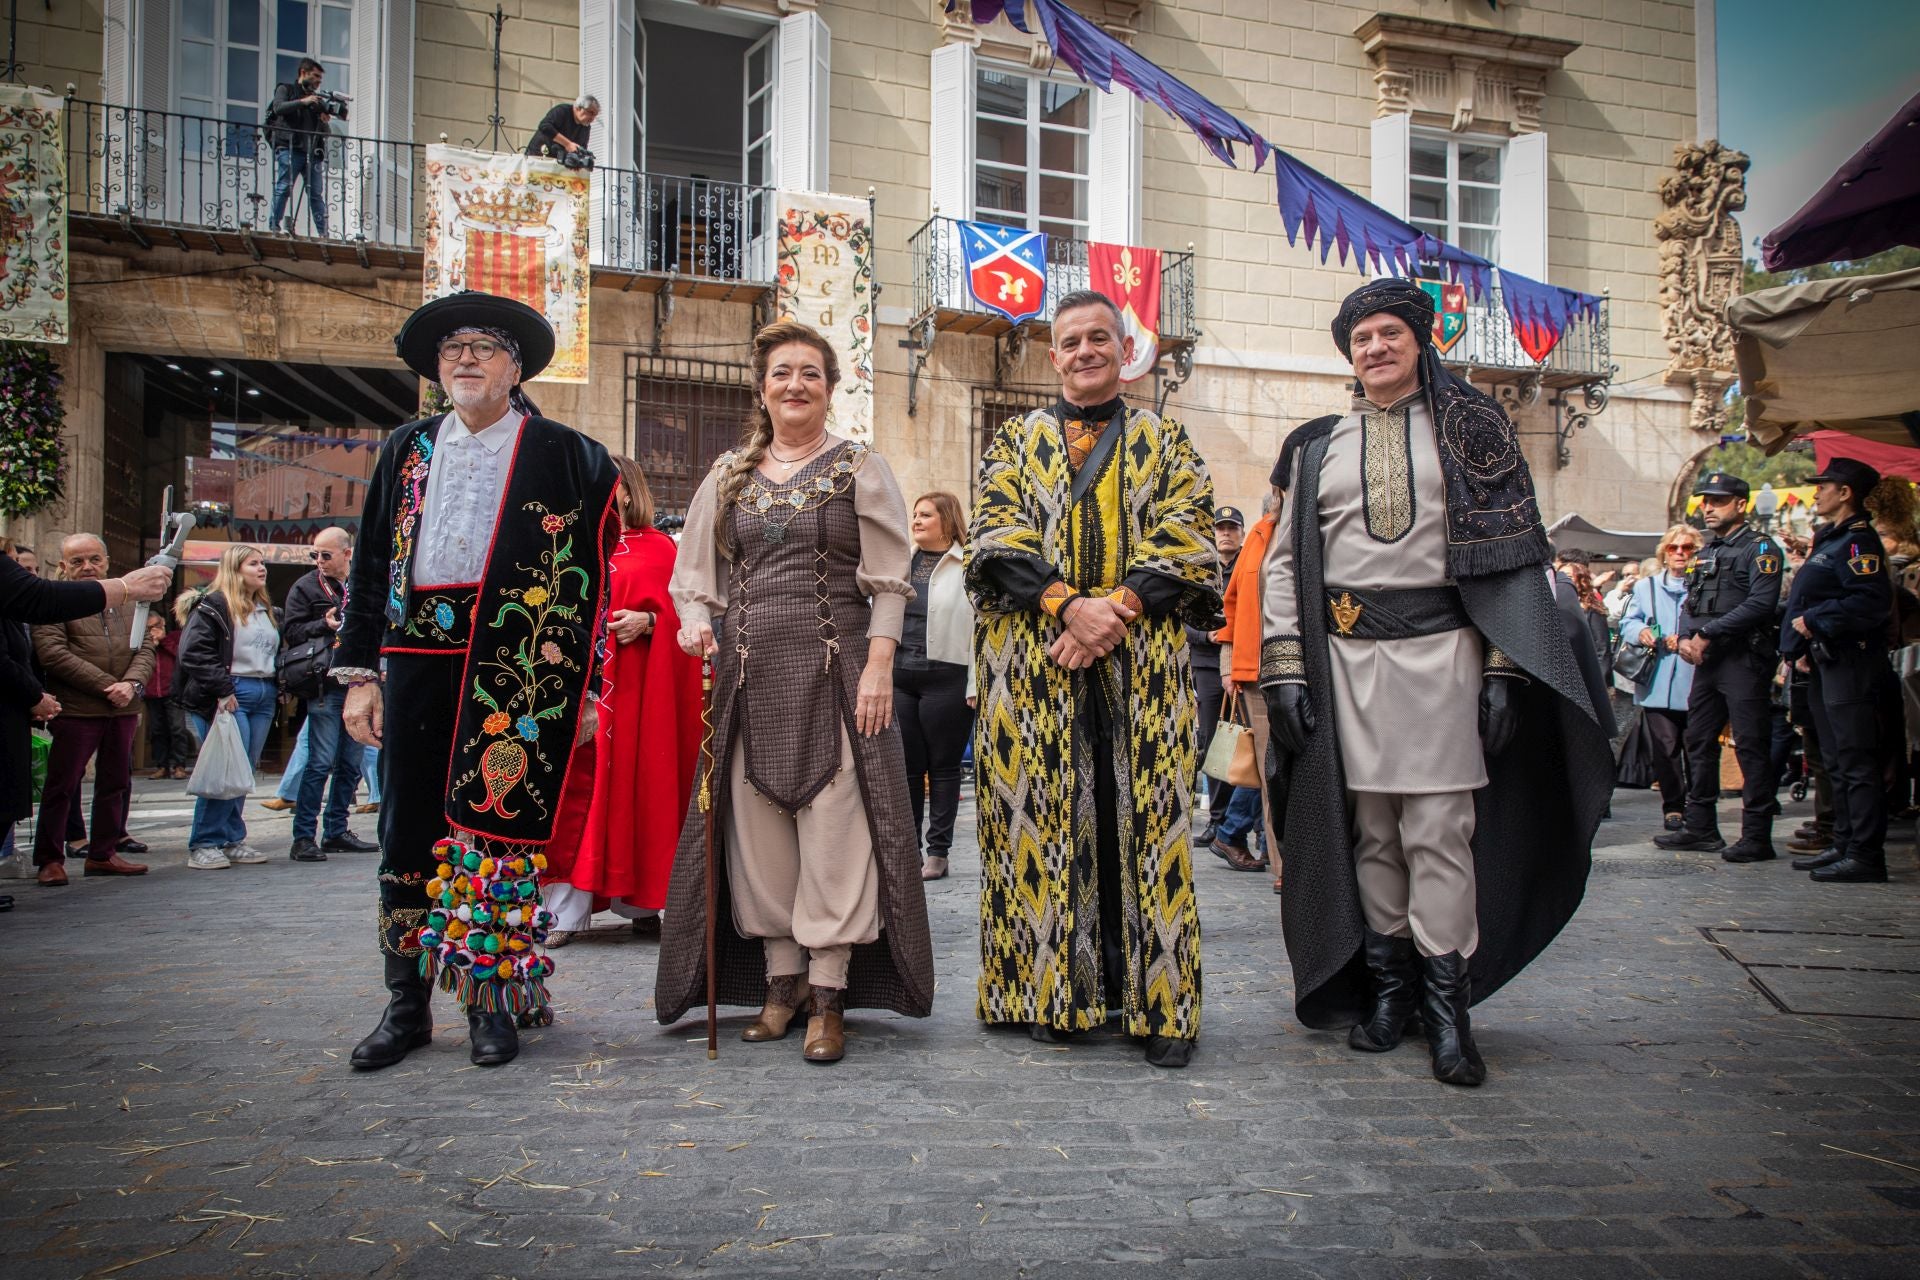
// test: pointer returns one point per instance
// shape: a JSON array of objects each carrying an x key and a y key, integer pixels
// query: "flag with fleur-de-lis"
[{"x": 1130, "y": 276}]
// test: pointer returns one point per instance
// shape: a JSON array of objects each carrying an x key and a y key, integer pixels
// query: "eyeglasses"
[
  {"x": 323, "y": 555},
  {"x": 1682, "y": 549},
  {"x": 483, "y": 349}
]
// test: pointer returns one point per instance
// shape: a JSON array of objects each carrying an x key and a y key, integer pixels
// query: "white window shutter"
[
  {"x": 1523, "y": 205},
  {"x": 950, "y": 138},
  {"x": 803, "y": 62},
  {"x": 396, "y": 71},
  {"x": 598, "y": 36},
  {"x": 116, "y": 72},
  {"x": 1391, "y": 135},
  {"x": 1113, "y": 189}
]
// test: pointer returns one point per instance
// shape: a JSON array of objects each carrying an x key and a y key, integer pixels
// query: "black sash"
[{"x": 1394, "y": 614}]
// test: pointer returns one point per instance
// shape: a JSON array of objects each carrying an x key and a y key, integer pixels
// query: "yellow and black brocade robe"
[{"x": 1147, "y": 511}]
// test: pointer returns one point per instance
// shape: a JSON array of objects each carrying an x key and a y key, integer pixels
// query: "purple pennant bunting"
[{"x": 1312, "y": 205}]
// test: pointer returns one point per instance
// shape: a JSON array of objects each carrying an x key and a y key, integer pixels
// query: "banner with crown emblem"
[
  {"x": 33, "y": 217},
  {"x": 517, "y": 226}
]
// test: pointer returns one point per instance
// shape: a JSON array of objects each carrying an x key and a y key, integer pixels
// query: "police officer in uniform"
[
  {"x": 1836, "y": 628},
  {"x": 1728, "y": 630}
]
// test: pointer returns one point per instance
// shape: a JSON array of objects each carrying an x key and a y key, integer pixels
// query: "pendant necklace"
[{"x": 777, "y": 533}]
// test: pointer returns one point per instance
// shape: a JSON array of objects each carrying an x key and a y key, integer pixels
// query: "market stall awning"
[
  {"x": 1871, "y": 203},
  {"x": 1887, "y": 459},
  {"x": 1575, "y": 530},
  {"x": 1831, "y": 354}
]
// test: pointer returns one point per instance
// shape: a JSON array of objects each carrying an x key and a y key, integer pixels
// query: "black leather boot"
[
  {"x": 408, "y": 1022},
  {"x": 494, "y": 1041},
  {"x": 1825, "y": 858},
  {"x": 1396, "y": 993},
  {"x": 1443, "y": 1008}
]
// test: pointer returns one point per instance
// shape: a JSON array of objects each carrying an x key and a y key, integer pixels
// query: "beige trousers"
[
  {"x": 1413, "y": 857},
  {"x": 804, "y": 883},
  {"x": 1257, "y": 721}
]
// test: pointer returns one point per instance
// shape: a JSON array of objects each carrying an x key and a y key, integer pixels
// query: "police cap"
[
  {"x": 1851, "y": 472},
  {"x": 1718, "y": 484},
  {"x": 1229, "y": 515}
]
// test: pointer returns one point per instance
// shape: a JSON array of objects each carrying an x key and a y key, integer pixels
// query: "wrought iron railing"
[
  {"x": 940, "y": 278},
  {"x": 170, "y": 169},
  {"x": 190, "y": 171},
  {"x": 1585, "y": 349},
  {"x": 649, "y": 222}
]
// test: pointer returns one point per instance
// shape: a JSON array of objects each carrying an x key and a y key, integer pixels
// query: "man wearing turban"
[{"x": 1448, "y": 769}]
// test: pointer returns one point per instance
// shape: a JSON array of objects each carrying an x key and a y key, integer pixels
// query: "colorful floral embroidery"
[
  {"x": 412, "y": 482},
  {"x": 444, "y": 617},
  {"x": 519, "y": 683}
]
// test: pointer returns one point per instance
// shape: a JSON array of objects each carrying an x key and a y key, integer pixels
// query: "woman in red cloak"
[{"x": 615, "y": 846}]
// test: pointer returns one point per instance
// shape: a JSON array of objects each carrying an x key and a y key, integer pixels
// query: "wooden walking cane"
[{"x": 713, "y": 891}]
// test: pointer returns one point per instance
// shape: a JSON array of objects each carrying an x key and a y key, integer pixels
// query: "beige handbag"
[{"x": 1230, "y": 756}]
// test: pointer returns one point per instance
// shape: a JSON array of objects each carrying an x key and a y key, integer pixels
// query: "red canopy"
[
  {"x": 1887, "y": 459},
  {"x": 1871, "y": 203}
]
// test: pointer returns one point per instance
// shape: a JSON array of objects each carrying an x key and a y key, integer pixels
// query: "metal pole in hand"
[{"x": 713, "y": 890}]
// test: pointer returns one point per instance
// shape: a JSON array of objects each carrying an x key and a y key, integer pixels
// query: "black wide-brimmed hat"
[{"x": 419, "y": 339}]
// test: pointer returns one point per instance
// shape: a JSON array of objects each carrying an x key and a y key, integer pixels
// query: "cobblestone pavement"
[{"x": 1712, "y": 1073}]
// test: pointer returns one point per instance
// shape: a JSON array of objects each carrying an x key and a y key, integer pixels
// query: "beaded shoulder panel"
[{"x": 760, "y": 496}]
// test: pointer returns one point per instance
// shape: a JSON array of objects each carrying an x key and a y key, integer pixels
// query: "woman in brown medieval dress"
[{"x": 795, "y": 553}]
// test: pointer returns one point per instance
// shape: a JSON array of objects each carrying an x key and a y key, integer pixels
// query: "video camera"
[
  {"x": 580, "y": 159},
  {"x": 334, "y": 104}
]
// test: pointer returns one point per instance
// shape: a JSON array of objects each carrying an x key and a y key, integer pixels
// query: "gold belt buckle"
[{"x": 1345, "y": 612}]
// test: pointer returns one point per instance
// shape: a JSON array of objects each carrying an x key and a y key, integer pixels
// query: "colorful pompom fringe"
[{"x": 485, "y": 924}]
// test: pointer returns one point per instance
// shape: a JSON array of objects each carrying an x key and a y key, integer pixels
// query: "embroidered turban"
[{"x": 1403, "y": 298}]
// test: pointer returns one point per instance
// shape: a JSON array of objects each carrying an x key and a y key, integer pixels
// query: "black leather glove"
[
  {"x": 1499, "y": 713},
  {"x": 1289, "y": 716}
]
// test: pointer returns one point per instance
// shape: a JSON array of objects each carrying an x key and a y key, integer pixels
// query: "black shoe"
[
  {"x": 1396, "y": 990},
  {"x": 1675, "y": 822},
  {"x": 1707, "y": 841},
  {"x": 1165, "y": 1051},
  {"x": 1854, "y": 869},
  {"x": 1443, "y": 1013},
  {"x": 1825, "y": 858},
  {"x": 1042, "y": 1033},
  {"x": 1749, "y": 849},
  {"x": 305, "y": 850},
  {"x": 347, "y": 842},
  {"x": 130, "y": 845},
  {"x": 408, "y": 1022},
  {"x": 1208, "y": 832},
  {"x": 494, "y": 1040}
]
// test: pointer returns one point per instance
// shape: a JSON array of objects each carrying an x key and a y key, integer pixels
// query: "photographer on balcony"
[
  {"x": 564, "y": 131},
  {"x": 297, "y": 130}
]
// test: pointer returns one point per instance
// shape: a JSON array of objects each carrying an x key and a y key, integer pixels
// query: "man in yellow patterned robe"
[{"x": 1091, "y": 542}]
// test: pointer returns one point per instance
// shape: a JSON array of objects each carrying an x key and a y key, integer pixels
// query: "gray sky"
[{"x": 1803, "y": 83}]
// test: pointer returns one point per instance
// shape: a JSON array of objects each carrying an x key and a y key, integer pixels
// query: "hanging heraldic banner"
[
  {"x": 826, "y": 281},
  {"x": 516, "y": 226},
  {"x": 1131, "y": 277},
  {"x": 1006, "y": 268},
  {"x": 33, "y": 217}
]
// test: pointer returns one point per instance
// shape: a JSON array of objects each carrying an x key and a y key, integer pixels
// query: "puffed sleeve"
[
  {"x": 699, "y": 584},
  {"x": 886, "y": 551}
]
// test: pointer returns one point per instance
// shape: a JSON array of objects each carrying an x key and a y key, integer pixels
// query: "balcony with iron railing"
[
  {"x": 201, "y": 183},
  {"x": 1489, "y": 350},
  {"x": 942, "y": 300}
]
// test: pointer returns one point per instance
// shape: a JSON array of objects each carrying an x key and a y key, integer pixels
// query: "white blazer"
[{"x": 950, "y": 614}]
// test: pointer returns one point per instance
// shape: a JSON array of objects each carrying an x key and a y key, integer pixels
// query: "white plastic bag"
[{"x": 223, "y": 771}]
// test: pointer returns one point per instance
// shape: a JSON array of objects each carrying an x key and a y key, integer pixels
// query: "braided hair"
[{"x": 753, "y": 446}]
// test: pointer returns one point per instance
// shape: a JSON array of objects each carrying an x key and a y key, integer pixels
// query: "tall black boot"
[
  {"x": 1456, "y": 1060},
  {"x": 493, "y": 1038},
  {"x": 408, "y": 1022},
  {"x": 1396, "y": 993}
]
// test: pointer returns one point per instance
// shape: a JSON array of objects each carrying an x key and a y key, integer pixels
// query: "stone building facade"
[{"x": 1538, "y": 133}]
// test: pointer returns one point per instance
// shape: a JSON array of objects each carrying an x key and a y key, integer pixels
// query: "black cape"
[{"x": 1534, "y": 820}]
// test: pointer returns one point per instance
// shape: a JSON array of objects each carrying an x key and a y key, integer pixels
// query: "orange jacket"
[{"x": 1242, "y": 605}]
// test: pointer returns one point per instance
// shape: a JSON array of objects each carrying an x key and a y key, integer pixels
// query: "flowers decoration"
[{"x": 32, "y": 455}]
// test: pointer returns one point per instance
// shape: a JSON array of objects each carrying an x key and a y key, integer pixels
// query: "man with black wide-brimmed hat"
[
  {"x": 478, "y": 582},
  {"x": 1448, "y": 768}
]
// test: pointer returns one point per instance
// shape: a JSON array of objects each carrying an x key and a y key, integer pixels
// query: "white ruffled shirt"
[{"x": 464, "y": 487}]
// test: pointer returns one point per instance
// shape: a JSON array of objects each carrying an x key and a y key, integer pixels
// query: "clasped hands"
[{"x": 1094, "y": 627}]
